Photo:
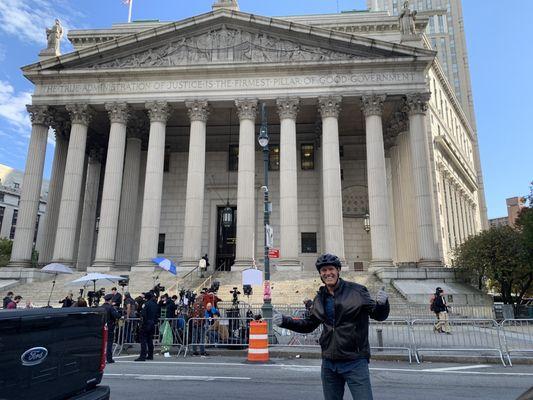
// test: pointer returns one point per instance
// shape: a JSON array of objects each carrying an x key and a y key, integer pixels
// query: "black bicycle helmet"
[{"x": 328, "y": 259}]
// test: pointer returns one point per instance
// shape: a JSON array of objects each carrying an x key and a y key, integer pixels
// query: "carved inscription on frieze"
[{"x": 169, "y": 86}]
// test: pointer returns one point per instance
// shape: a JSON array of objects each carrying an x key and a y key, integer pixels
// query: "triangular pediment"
[{"x": 224, "y": 37}]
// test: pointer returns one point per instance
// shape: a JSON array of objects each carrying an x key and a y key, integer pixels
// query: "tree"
[
  {"x": 5, "y": 251},
  {"x": 499, "y": 258},
  {"x": 524, "y": 224}
]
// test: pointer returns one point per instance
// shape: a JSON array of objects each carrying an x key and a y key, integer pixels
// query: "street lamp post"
[{"x": 263, "y": 142}]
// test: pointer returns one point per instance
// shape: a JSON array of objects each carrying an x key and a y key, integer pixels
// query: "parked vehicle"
[{"x": 53, "y": 354}]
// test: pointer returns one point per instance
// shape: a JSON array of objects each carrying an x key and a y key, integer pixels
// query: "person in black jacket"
[
  {"x": 343, "y": 308},
  {"x": 112, "y": 316},
  {"x": 149, "y": 316},
  {"x": 440, "y": 308}
]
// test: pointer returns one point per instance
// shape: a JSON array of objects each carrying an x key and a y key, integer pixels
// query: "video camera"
[
  {"x": 158, "y": 289},
  {"x": 236, "y": 293},
  {"x": 125, "y": 281},
  {"x": 95, "y": 296}
]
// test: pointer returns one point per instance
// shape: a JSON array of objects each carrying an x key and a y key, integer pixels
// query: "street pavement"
[{"x": 218, "y": 377}]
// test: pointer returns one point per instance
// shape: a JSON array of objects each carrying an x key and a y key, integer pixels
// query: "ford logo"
[{"x": 33, "y": 356}]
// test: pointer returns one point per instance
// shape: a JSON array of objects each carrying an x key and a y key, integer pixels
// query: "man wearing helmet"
[{"x": 343, "y": 308}]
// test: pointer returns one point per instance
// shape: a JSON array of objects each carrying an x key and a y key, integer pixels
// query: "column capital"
[
  {"x": 118, "y": 112},
  {"x": 246, "y": 108},
  {"x": 417, "y": 103},
  {"x": 80, "y": 113},
  {"x": 198, "y": 110},
  {"x": 61, "y": 125},
  {"x": 158, "y": 111},
  {"x": 288, "y": 107},
  {"x": 39, "y": 115},
  {"x": 372, "y": 104},
  {"x": 330, "y": 106}
]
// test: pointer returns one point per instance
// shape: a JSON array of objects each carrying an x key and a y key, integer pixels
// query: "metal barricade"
[
  {"x": 127, "y": 334},
  {"x": 480, "y": 336},
  {"x": 518, "y": 337},
  {"x": 225, "y": 333},
  {"x": 392, "y": 336}
]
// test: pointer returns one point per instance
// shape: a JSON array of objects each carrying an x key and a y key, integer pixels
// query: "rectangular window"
[
  {"x": 2, "y": 210},
  {"x": 36, "y": 229},
  {"x": 307, "y": 152},
  {"x": 341, "y": 151},
  {"x": 13, "y": 224},
  {"x": 233, "y": 157},
  {"x": 2, "y": 199},
  {"x": 309, "y": 242},
  {"x": 166, "y": 163},
  {"x": 161, "y": 244},
  {"x": 273, "y": 160}
]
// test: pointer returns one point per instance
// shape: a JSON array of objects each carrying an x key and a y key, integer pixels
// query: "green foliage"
[
  {"x": 500, "y": 259},
  {"x": 5, "y": 251}
]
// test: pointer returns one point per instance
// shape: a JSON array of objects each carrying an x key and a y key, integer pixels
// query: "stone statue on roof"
[
  {"x": 53, "y": 38},
  {"x": 407, "y": 20},
  {"x": 229, "y": 4}
]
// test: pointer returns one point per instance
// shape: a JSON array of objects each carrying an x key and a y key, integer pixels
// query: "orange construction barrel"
[{"x": 258, "y": 342}]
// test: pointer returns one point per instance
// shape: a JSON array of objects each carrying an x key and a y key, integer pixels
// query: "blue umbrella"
[{"x": 166, "y": 264}]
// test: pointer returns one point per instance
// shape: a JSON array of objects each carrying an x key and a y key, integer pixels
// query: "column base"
[
  {"x": 375, "y": 264},
  {"x": 23, "y": 274},
  {"x": 19, "y": 264},
  {"x": 429, "y": 264},
  {"x": 143, "y": 266},
  {"x": 101, "y": 266},
  {"x": 68, "y": 263},
  {"x": 242, "y": 264},
  {"x": 288, "y": 264}
]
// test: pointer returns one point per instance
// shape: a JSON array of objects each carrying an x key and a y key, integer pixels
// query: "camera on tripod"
[
  {"x": 125, "y": 281},
  {"x": 247, "y": 289},
  {"x": 95, "y": 296},
  {"x": 236, "y": 293}
]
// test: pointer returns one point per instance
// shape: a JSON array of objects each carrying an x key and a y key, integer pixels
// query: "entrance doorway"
[{"x": 226, "y": 241}]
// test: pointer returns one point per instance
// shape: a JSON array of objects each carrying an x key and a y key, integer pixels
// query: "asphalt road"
[{"x": 224, "y": 378}]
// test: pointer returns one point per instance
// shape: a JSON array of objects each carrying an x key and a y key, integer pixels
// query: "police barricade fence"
[
  {"x": 518, "y": 338},
  {"x": 483, "y": 337},
  {"x": 457, "y": 336},
  {"x": 128, "y": 331}
]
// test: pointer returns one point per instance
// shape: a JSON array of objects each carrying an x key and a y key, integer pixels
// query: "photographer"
[{"x": 67, "y": 301}]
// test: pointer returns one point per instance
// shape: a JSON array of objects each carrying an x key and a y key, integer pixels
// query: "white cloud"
[
  {"x": 28, "y": 19},
  {"x": 13, "y": 107}
]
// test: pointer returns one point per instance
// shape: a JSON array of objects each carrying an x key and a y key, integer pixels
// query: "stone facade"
[{"x": 357, "y": 126}]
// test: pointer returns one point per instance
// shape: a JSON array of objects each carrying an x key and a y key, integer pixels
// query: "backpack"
[{"x": 432, "y": 303}]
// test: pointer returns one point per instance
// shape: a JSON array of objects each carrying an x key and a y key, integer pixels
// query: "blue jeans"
[{"x": 354, "y": 373}]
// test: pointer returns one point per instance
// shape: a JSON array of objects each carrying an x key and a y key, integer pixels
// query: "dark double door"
[{"x": 226, "y": 241}]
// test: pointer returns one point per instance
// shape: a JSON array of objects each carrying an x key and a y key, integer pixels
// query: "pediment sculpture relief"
[{"x": 226, "y": 44}]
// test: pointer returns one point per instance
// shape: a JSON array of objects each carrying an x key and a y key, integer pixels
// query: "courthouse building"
[{"x": 156, "y": 124}]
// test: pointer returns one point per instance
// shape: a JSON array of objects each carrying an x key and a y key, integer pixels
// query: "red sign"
[{"x": 273, "y": 253}]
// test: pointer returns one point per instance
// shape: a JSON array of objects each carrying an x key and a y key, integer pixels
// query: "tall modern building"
[
  {"x": 446, "y": 33},
  {"x": 372, "y": 156}
]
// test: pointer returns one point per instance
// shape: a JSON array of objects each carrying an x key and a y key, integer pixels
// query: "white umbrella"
[
  {"x": 96, "y": 277},
  {"x": 56, "y": 269}
]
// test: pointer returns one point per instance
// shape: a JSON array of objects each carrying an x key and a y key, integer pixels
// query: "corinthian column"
[
  {"x": 378, "y": 200},
  {"x": 90, "y": 202},
  {"x": 194, "y": 203},
  {"x": 109, "y": 209},
  {"x": 48, "y": 236},
  {"x": 158, "y": 112},
  {"x": 331, "y": 176},
  {"x": 247, "y": 110},
  {"x": 31, "y": 187},
  {"x": 417, "y": 105},
  {"x": 288, "y": 182},
  {"x": 80, "y": 115},
  {"x": 128, "y": 197}
]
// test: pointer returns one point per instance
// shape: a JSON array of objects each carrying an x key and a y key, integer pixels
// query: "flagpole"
[{"x": 129, "y": 11}]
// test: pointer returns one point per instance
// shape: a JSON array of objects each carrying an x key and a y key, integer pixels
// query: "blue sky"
[{"x": 499, "y": 42}]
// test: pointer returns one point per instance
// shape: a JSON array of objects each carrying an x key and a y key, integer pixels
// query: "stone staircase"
[
  {"x": 287, "y": 287},
  {"x": 295, "y": 287}
]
